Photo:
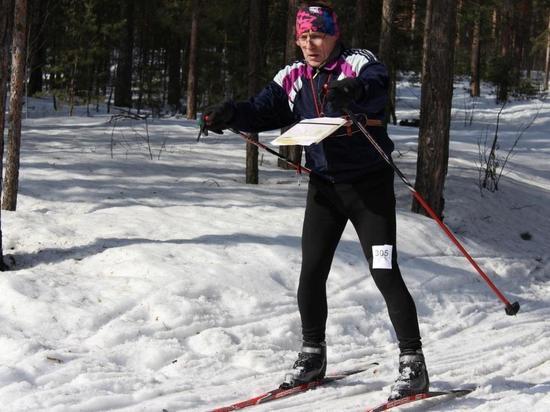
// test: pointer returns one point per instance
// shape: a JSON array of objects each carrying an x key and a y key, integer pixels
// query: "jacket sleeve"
[
  {"x": 374, "y": 76},
  {"x": 268, "y": 110},
  {"x": 363, "y": 65}
]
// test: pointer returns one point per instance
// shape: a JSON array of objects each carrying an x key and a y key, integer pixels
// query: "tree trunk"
[
  {"x": 385, "y": 53},
  {"x": 414, "y": 9},
  {"x": 192, "y": 72},
  {"x": 413, "y": 34},
  {"x": 426, "y": 37},
  {"x": 123, "y": 83},
  {"x": 293, "y": 153},
  {"x": 19, "y": 44},
  {"x": 459, "y": 28},
  {"x": 37, "y": 46},
  {"x": 547, "y": 62},
  {"x": 475, "y": 57},
  {"x": 532, "y": 34},
  {"x": 6, "y": 20},
  {"x": 174, "y": 78},
  {"x": 72, "y": 87},
  {"x": 291, "y": 48},
  {"x": 149, "y": 79},
  {"x": 522, "y": 23},
  {"x": 495, "y": 21},
  {"x": 360, "y": 24},
  {"x": 506, "y": 64},
  {"x": 257, "y": 20},
  {"x": 436, "y": 100},
  {"x": 143, "y": 56}
]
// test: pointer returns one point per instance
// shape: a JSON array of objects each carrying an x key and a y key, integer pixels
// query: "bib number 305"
[{"x": 381, "y": 256}]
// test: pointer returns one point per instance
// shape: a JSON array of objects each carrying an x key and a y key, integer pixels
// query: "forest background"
[
  {"x": 152, "y": 58},
  {"x": 141, "y": 53}
]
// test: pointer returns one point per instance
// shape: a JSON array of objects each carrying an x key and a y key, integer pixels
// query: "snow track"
[{"x": 144, "y": 285}]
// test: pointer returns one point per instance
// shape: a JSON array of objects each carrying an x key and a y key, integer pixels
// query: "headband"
[{"x": 317, "y": 19}]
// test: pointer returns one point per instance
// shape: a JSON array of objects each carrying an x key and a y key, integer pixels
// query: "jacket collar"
[{"x": 331, "y": 63}]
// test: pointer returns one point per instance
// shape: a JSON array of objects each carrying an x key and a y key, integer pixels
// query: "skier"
[{"x": 349, "y": 181}]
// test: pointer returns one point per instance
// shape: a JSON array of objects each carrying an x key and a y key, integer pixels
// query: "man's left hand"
[{"x": 341, "y": 93}]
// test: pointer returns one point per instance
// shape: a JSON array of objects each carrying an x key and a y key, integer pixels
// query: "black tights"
[{"x": 370, "y": 205}]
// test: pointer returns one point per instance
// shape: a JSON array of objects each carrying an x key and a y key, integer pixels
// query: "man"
[{"x": 349, "y": 181}]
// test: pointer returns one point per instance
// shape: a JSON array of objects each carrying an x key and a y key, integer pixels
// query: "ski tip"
[{"x": 390, "y": 404}]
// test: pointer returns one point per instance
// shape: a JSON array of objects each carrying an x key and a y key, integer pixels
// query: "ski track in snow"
[{"x": 169, "y": 284}]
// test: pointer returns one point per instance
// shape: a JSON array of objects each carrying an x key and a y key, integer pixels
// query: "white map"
[{"x": 309, "y": 131}]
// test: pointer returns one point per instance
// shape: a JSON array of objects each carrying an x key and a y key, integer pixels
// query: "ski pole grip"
[{"x": 512, "y": 309}]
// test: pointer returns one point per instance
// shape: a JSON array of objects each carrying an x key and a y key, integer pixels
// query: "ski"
[
  {"x": 284, "y": 393},
  {"x": 419, "y": 397}
]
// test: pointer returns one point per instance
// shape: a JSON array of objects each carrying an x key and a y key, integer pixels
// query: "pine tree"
[
  {"x": 19, "y": 44},
  {"x": 386, "y": 53},
  {"x": 475, "y": 51},
  {"x": 123, "y": 85},
  {"x": 547, "y": 60},
  {"x": 37, "y": 46},
  {"x": 255, "y": 24},
  {"x": 359, "y": 24},
  {"x": 193, "y": 69},
  {"x": 293, "y": 153},
  {"x": 6, "y": 20},
  {"x": 436, "y": 101}
]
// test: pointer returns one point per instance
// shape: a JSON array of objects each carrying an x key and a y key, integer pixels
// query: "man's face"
[{"x": 316, "y": 47}]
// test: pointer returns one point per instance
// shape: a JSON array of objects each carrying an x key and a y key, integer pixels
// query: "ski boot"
[
  {"x": 413, "y": 375},
  {"x": 311, "y": 365}
]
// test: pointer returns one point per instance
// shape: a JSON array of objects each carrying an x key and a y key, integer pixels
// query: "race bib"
[{"x": 381, "y": 257}]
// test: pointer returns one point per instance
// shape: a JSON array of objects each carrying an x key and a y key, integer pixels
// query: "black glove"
[
  {"x": 341, "y": 93},
  {"x": 216, "y": 118}
]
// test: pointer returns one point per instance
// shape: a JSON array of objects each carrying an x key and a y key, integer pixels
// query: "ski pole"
[
  {"x": 510, "y": 308},
  {"x": 299, "y": 168}
]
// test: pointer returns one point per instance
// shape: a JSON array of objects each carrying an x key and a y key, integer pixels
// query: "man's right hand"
[{"x": 216, "y": 118}]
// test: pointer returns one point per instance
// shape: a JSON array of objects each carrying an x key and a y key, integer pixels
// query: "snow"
[{"x": 169, "y": 284}]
